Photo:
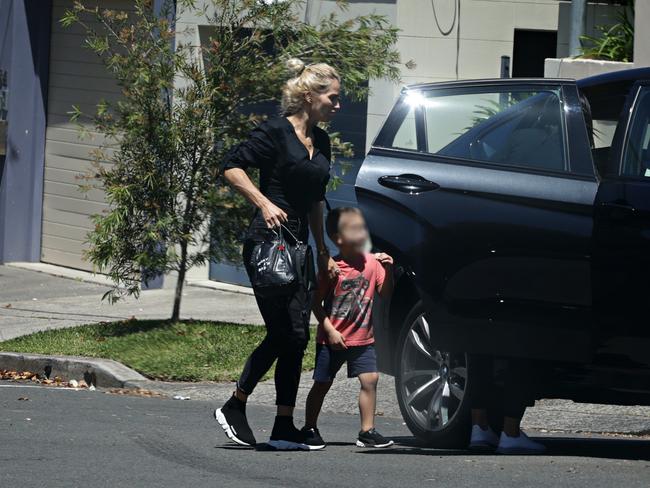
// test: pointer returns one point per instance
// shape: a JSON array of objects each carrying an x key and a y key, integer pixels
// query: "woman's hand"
[
  {"x": 384, "y": 259},
  {"x": 273, "y": 215},
  {"x": 327, "y": 266}
]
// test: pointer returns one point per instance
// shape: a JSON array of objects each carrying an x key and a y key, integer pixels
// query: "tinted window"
[
  {"x": 636, "y": 160},
  {"x": 512, "y": 127}
]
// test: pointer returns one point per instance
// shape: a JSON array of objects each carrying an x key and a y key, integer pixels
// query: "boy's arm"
[
  {"x": 334, "y": 337},
  {"x": 385, "y": 289}
]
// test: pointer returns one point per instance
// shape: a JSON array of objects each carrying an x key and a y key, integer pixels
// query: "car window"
[
  {"x": 636, "y": 157},
  {"x": 512, "y": 127},
  {"x": 406, "y": 136},
  {"x": 605, "y": 104}
]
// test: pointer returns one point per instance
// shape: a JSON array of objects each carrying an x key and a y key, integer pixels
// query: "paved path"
[
  {"x": 31, "y": 301},
  {"x": 41, "y": 301},
  {"x": 58, "y": 438}
]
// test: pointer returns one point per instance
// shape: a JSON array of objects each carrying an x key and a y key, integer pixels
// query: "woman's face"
[{"x": 326, "y": 104}]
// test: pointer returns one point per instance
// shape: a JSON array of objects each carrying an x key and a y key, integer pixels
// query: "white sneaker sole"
[
  {"x": 281, "y": 445},
  {"x": 378, "y": 446},
  {"x": 221, "y": 418}
]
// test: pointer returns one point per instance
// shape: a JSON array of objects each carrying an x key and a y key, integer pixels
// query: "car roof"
[
  {"x": 626, "y": 75},
  {"x": 487, "y": 81}
]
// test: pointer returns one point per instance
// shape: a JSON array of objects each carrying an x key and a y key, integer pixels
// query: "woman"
[
  {"x": 293, "y": 156},
  {"x": 518, "y": 375}
]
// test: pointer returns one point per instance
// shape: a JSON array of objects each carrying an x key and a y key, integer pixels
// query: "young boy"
[{"x": 343, "y": 308}]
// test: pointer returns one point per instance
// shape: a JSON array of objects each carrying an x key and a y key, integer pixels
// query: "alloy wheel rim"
[{"x": 432, "y": 382}]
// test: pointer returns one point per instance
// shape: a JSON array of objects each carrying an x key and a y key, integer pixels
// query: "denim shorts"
[{"x": 360, "y": 359}]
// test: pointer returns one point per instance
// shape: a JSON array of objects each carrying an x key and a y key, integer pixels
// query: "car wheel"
[{"x": 431, "y": 385}]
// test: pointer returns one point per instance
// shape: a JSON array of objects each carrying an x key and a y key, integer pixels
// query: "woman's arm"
[
  {"x": 239, "y": 180},
  {"x": 325, "y": 262}
]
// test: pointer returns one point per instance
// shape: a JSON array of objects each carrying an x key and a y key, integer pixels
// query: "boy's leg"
[
  {"x": 328, "y": 362},
  {"x": 362, "y": 363},
  {"x": 368, "y": 399},
  {"x": 315, "y": 402}
]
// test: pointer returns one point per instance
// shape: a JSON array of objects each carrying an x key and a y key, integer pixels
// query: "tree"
[{"x": 182, "y": 107}]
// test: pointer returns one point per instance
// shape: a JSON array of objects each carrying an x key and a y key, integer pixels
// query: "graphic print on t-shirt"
[
  {"x": 353, "y": 303},
  {"x": 348, "y": 299}
]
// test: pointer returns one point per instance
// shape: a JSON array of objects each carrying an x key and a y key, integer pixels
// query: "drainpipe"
[
  {"x": 578, "y": 20},
  {"x": 307, "y": 11}
]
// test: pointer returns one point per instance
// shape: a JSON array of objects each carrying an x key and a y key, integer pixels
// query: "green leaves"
[{"x": 614, "y": 42}]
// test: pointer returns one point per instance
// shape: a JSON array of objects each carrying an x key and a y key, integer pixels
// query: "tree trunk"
[{"x": 176, "y": 312}]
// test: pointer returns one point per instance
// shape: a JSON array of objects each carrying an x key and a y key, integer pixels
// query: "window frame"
[
  {"x": 632, "y": 110},
  {"x": 578, "y": 162}
]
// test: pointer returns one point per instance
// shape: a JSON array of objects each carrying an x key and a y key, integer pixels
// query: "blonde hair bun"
[
  {"x": 314, "y": 77},
  {"x": 295, "y": 67}
]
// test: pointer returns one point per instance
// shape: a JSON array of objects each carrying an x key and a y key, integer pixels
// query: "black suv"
[{"x": 518, "y": 212}]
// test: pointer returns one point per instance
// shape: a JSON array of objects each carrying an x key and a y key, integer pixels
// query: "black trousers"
[
  {"x": 516, "y": 385},
  {"x": 286, "y": 318}
]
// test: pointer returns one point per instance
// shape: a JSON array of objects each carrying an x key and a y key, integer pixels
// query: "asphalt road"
[{"x": 64, "y": 438}]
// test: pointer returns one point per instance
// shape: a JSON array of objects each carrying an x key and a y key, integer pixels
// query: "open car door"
[
  {"x": 622, "y": 240},
  {"x": 483, "y": 191}
]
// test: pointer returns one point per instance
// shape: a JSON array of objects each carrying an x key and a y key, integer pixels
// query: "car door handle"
[{"x": 408, "y": 183}]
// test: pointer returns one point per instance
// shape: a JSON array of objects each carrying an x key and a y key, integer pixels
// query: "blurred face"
[
  {"x": 352, "y": 236},
  {"x": 325, "y": 105}
]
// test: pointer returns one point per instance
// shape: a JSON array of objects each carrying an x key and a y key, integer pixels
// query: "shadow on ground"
[{"x": 627, "y": 449}]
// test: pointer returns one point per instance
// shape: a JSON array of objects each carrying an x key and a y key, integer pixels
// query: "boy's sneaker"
[
  {"x": 232, "y": 418},
  {"x": 372, "y": 438},
  {"x": 313, "y": 438},
  {"x": 285, "y": 436},
  {"x": 519, "y": 445},
  {"x": 483, "y": 440}
]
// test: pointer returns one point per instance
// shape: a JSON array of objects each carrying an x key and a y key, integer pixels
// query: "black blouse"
[{"x": 288, "y": 177}]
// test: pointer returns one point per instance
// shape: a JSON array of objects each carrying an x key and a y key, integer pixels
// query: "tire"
[{"x": 431, "y": 386}]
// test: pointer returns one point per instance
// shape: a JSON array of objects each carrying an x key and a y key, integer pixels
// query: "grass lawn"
[{"x": 181, "y": 351}]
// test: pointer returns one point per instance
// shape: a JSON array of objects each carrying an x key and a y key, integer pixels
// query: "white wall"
[
  {"x": 580, "y": 68},
  {"x": 642, "y": 34}
]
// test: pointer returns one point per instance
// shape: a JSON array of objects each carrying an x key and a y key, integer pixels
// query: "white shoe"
[
  {"x": 519, "y": 445},
  {"x": 483, "y": 440}
]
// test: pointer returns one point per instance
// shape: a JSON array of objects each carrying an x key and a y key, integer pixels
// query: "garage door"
[{"x": 76, "y": 77}]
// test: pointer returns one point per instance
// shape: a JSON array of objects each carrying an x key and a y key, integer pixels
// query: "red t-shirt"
[{"x": 348, "y": 299}]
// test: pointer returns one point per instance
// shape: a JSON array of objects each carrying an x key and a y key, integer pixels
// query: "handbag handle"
[{"x": 295, "y": 239}]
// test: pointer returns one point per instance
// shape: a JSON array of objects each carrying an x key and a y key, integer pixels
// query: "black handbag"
[{"x": 278, "y": 267}]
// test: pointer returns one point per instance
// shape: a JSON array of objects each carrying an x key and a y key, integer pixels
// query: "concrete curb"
[{"x": 104, "y": 373}]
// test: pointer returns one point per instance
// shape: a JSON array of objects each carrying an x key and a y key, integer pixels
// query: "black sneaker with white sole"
[
  {"x": 313, "y": 438},
  {"x": 232, "y": 418},
  {"x": 285, "y": 436},
  {"x": 372, "y": 438}
]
